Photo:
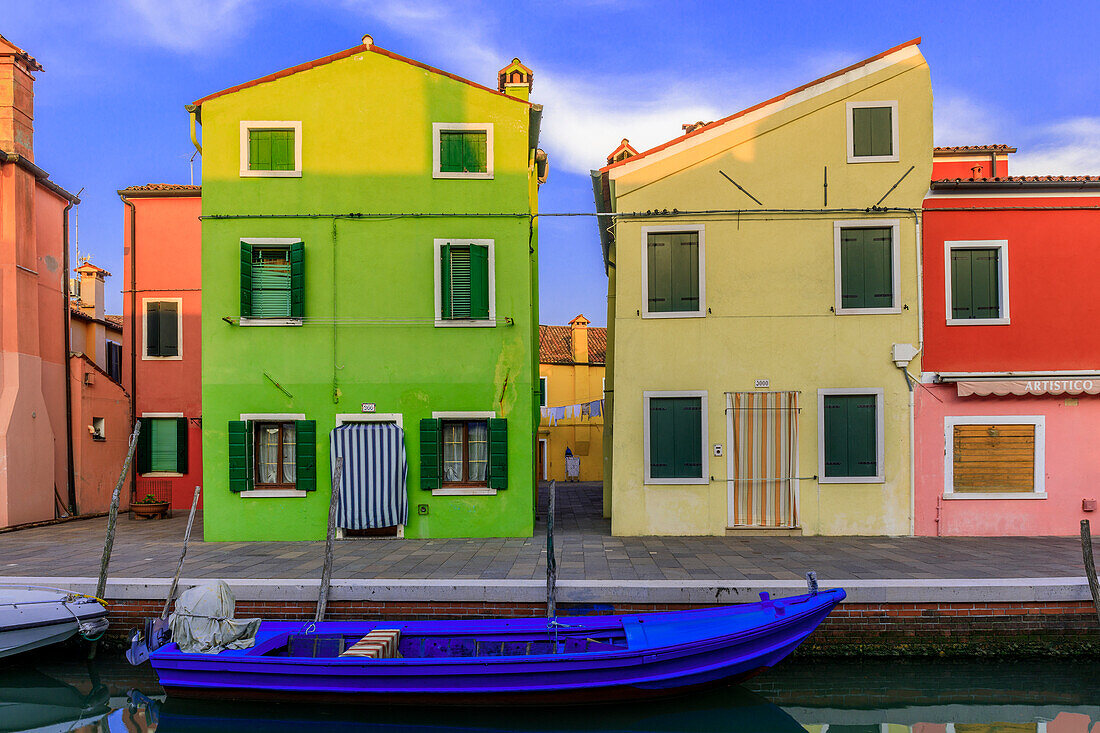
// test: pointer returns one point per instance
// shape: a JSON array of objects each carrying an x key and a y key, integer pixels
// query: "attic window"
[
  {"x": 462, "y": 150},
  {"x": 872, "y": 132},
  {"x": 271, "y": 149}
]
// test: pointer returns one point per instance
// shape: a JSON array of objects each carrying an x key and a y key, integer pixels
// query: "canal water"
[{"x": 60, "y": 692}]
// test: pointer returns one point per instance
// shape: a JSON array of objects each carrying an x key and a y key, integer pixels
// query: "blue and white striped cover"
[{"x": 372, "y": 493}]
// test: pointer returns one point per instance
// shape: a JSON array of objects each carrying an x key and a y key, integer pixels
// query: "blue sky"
[{"x": 109, "y": 107}]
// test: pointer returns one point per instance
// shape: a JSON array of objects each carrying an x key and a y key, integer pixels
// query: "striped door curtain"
[
  {"x": 372, "y": 490},
  {"x": 764, "y": 454}
]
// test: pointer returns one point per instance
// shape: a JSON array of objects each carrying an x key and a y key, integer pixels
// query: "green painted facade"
[{"x": 369, "y": 332}]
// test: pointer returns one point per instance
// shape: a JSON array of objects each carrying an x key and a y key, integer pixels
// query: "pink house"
[
  {"x": 45, "y": 470},
  {"x": 1009, "y": 404},
  {"x": 162, "y": 356}
]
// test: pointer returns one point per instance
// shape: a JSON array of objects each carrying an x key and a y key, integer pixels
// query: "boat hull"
[
  {"x": 663, "y": 654},
  {"x": 31, "y": 618}
]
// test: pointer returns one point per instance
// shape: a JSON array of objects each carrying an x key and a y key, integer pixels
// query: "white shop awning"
[{"x": 1044, "y": 385}]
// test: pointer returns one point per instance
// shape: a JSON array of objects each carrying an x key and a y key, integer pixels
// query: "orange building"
[{"x": 571, "y": 372}]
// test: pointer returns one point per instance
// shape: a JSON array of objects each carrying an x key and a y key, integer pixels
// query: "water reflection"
[{"x": 57, "y": 694}]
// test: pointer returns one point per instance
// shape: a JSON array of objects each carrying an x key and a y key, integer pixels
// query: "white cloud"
[
  {"x": 191, "y": 26},
  {"x": 1067, "y": 148},
  {"x": 959, "y": 120}
]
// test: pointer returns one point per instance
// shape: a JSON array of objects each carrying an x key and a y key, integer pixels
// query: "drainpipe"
[
  {"x": 912, "y": 405},
  {"x": 70, "y": 462},
  {"x": 133, "y": 325},
  {"x": 193, "y": 111}
]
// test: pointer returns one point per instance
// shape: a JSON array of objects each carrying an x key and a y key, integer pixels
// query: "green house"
[{"x": 370, "y": 269}]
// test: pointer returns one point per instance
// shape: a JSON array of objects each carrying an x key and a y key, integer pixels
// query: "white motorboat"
[{"x": 34, "y": 616}]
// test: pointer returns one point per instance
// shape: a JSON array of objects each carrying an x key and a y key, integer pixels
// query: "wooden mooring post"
[
  {"x": 326, "y": 573},
  {"x": 1090, "y": 565},
  {"x": 183, "y": 554}
]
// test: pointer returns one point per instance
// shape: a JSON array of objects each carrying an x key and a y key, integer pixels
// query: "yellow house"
[
  {"x": 763, "y": 303},
  {"x": 571, "y": 372}
]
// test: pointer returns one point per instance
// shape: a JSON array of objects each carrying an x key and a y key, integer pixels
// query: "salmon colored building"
[
  {"x": 1008, "y": 408},
  {"x": 571, "y": 372},
  {"x": 162, "y": 354},
  {"x": 51, "y": 463}
]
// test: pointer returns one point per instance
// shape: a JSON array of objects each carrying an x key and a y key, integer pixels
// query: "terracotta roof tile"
[
  {"x": 1023, "y": 179},
  {"x": 773, "y": 100},
  {"x": 556, "y": 345},
  {"x": 8, "y": 48},
  {"x": 116, "y": 320},
  {"x": 164, "y": 187},
  {"x": 963, "y": 149}
]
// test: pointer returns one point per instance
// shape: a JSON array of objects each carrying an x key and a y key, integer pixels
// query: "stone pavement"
[{"x": 150, "y": 549}]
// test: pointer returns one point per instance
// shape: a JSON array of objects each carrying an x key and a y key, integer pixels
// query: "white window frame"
[
  {"x": 272, "y": 417},
  {"x": 465, "y": 490},
  {"x": 880, "y": 436},
  {"x": 544, "y": 448},
  {"x": 169, "y": 415},
  {"x": 544, "y": 382},
  {"x": 895, "y": 265},
  {"x": 704, "y": 436},
  {"x": 701, "y": 312},
  {"x": 145, "y": 329},
  {"x": 396, "y": 418},
  {"x": 486, "y": 127},
  {"x": 295, "y": 125},
  {"x": 270, "y": 242},
  {"x": 489, "y": 322},
  {"x": 949, "y": 422},
  {"x": 1002, "y": 280},
  {"x": 894, "y": 123}
]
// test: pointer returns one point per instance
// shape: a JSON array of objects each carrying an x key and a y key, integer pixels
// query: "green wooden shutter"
[
  {"x": 431, "y": 453},
  {"x": 986, "y": 286},
  {"x": 662, "y": 449},
  {"x": 143, "y": 452},
  {"x": 305, "y": 454},
  {"x": 282, "y": 150},
  {"x": 246, "y": 280},
  {"x": 498, "y": 453},
  {"x": 835, "y": 425},
  {"x": 162, "y": 436},
  {"x": 474, "y": 151},
  {"x": 659, "y": 275},
  {"x": 684, "y": 285},
  {"x": 259, "y": 150},
  {"x": 872, "y": 131},
  {"x": 169, "y": 329},
  {"x": 152, "y": 329},
  {"x": 445, "y": 281},
  {"x": 451, "y": 151},
  {"x": 479, "y": 281},
  {"x": 297, "y": 280},
  {"x": 853, "y": 293},
  {"x": 181, "y": 445},
  {"x": 962, "y": 296},
  {"x": 460, "y": 281},
  {"x": 240, "y": 455},
  {"x": 862, "y": 432},
  {"x": 687, "y": 437},
  {"x": 878, "y": 270}
]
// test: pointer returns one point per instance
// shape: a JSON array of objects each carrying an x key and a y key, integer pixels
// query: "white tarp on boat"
[{"x": 203, "y": 621}]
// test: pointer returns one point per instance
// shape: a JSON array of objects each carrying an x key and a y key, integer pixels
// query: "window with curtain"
[
  {"x": 465, "y": 452},
  {"x": 271, "y": 282},
  {"x": 275, "y": 454}
]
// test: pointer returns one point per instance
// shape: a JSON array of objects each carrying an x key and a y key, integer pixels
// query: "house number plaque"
[{"x": 368, "y": 407}]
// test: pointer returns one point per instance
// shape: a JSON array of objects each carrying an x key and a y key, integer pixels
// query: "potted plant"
[{"x": 149, "y": 508}]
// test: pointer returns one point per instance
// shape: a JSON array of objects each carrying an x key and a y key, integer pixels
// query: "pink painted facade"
[
  {"x": 164, "y": 222},
  {"x": 1035, "y": 357}
]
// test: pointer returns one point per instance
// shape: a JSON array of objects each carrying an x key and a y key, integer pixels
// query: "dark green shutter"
[
  {"x": 181, "y": 445},
  {"x": 975, "y": 283},
  {"x": 431, "y": 453},
  {"x": 866, "y": 268},
  {"x": 479, "y": 281},
  {"x": 852, "y": 291},
  {"x": 169, "y": 329},
  {"x": 685, "y": 271},
  {"x": 305, "y": 454},
  {"x": 445, "y": 281},
  {"x": 246, "y": 280},
  {"x": 659, "y": 275},
  {"x": 143, "y": 452},
  {"x": 498, "y": 453},
  {"x": 152, "y": 329},
  {"x": 872, "y": 131},
  {"x": 661, "y": 438},
  {"x": 297, "y": 280},
  {"x": 240, "y": 455},
  {"x": 474, "y": 146},
  {"x": 451, "y": 151},
  {"x": 687, "y": 437},
  {"x": 851, "y": 433}
]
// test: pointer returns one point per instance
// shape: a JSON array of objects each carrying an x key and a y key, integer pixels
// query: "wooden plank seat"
[{"x": 378, "y": 644}]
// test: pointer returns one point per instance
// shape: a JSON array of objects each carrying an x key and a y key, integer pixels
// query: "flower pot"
[{"x": 150, "y": 510}]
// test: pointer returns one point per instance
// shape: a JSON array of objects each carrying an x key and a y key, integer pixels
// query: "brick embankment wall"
[{"x": 855, "y": 629}]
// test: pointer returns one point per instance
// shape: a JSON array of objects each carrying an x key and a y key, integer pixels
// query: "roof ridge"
[{"x": 717, "y": 123}]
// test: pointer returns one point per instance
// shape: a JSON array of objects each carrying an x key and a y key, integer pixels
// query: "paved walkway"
[{"x": 150, "y": 549}]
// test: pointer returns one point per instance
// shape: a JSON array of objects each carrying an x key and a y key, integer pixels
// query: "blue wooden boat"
[{"x": 514, "y": 661}]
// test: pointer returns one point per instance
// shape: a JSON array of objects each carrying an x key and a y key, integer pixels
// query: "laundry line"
[{"x": 583, "y": 410}]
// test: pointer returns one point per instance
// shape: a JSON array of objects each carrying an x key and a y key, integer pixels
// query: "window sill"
[
  {"x": 873, "y": 158},
  {"x": 465, "y": 491},
  {"x": 467, "y": 323},
  {"x": 1032, "y": 495},
  {"x": 270, "y": 174},
  {"x": 272, "y": 493},
  {"x": 148, "y": 357},
  {"x": 676, "y": 481},
  {"x": 463, "y": 176},
  {"x": 99, "y": 439},
  {"x": 270, "y": 322},
  {"x": 978, "y": 322},
  {"x": 162, "y": 474},
  {"x": 867, "y": 311},
  {"x": 674, "y": 314},
  {"x": 852, "y": 480}
]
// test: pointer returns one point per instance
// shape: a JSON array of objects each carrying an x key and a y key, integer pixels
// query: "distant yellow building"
[
  {"x": 763, "y": 299},
  {"x": 571, "y": 371}
]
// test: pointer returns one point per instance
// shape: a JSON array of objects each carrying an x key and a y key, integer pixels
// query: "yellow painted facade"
[
  {"x": 580, "y": 380},
  {"x": 769, "y": 281}
]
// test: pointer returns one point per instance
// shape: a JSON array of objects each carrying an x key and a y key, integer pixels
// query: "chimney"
[
  {"x": 976, "y": 172},
  {"x": 578, "y": 331},
  {"x": 624, "y": 151},
  {"x": 17, "y": 99},
  {"x": 516, "y": 80},
  {"x": 91, "y": 289}
]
